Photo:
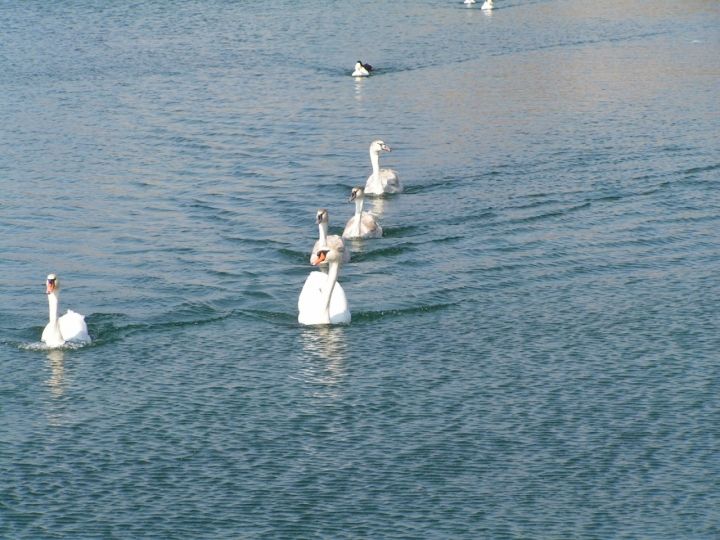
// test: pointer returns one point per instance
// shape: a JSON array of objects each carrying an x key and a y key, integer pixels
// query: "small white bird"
[
  {"x": 332, "y": 241},
  {"x": 488, "y": 4},
  {"x": 381, "y": 180},
  {"x": 362, "y": 224},
  {"x": 322, "y": 299},
  {"x": 69, "y": 327},
  {"x": 469, "y": 2},
  {"x": 362, "y": 70}
]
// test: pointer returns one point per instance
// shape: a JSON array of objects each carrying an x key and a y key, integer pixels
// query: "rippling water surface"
[{"x": 534, "y": 348}]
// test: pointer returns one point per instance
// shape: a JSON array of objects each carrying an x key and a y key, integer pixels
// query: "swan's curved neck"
[
  {"x": 375, "y": 159},
  {"x": 323, "y": 233},
  {"x": 358, "y": 215},
  {"x": 54, "y": 302},
  {"x": 333, "y": 271}
]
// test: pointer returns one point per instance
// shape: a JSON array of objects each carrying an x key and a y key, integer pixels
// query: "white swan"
[
  {"x": 332, "y": 241},
  {"x": 469, "y": 2},
  {"x": 69, "y": 327},
  {"x": 362, "y": 224},
  {"x": 381, "y": 180},
  {"x": 488, "y": 4},
  {"x": 362, "y": 70},
  {"x": 322, "y": 299}
]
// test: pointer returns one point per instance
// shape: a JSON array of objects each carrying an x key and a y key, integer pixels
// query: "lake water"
[{"x": 534, "y": 350}]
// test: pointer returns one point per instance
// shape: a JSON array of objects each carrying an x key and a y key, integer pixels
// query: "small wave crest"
[
  {"x": 376, "y": 315},
  {"x": 40, "y": 346}
]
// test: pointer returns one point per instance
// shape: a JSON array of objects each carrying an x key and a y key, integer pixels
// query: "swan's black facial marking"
[
  {"x": 321, "y": 256},
  {"x": 52, "y": 284}
]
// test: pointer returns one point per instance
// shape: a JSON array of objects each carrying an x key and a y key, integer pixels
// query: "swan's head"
[
  {"x": 53, "y": 284},
  {"x": 356, "y": 193},
  {"x": 322, "y": 216},
  {"x": 328, "y": 255},
  {"x": 378, "y": 146}
]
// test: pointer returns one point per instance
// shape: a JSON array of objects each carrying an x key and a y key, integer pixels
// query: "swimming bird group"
[{"x": 322, "y": 299}]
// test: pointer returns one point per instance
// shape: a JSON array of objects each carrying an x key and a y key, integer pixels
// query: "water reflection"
[
  {"x": 378, "y": 206},
  {"x": 326, "y": 352},
  {"x": 359, "y": 81},
  {"x": 56, "y": 382},
  {"x": 488, "y": 13}
]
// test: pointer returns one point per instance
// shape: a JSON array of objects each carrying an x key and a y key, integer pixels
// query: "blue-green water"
[{"x": 534, "y": 351}]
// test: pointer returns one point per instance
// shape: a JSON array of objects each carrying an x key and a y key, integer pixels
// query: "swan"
[
  {"x": 381, "y": 180},
  {"x": 469, "y": 2},
  {"x": 333, "y": 241},
  {"x": 362, "y": 70},
  {"x": 69, "y": 327},
  {"x": 362, "y": 224},
  {"x": 322, "y": 299},
  {"x": 488, "y": 5}
]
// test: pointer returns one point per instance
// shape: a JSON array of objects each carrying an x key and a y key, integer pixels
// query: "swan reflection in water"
[
  {"x": 56, "y": 382},
  {"x": 359, "y": 81},
  {"x": 378, "y": 206},
  {"x": 324, "y": 366}
]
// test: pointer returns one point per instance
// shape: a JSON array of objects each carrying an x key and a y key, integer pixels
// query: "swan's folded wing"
[
  {"x": 310, "y": 306},
  {"x": 335, "y": 242},
  {"x": 339, "y": 310},
  {"x": 73, "y": 327},
  {"x": 311, "y": 292},
  {"x": 348, "y": 232},
  {"x": 370, "y": 227},
  {"x": 391, "y": 181}
]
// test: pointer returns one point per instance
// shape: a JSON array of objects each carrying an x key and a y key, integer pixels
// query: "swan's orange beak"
[
  {"x": 321, "y": 258},
  {"x": 50, "y": 287}
]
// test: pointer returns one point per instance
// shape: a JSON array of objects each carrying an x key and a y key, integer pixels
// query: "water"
[{"x": 534, "y": 344}]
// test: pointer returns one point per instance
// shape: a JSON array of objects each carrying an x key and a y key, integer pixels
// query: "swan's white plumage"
[
  {"x": 69, "y": 327},
  {"x": 362, "y": 224},
  {"x": 73, "y": 327},
  {"x": 51, "y": 336},
  {"x": 322, "y": 299},
  {"x": 381, "y": 180},
  {"x": 469, "y": 2},
  {"x": 360, "y": 70},
  {"x": 310, "y": 302},
  {"x": 369, "y": 228},
  {"x": 488, "y": 4}
]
